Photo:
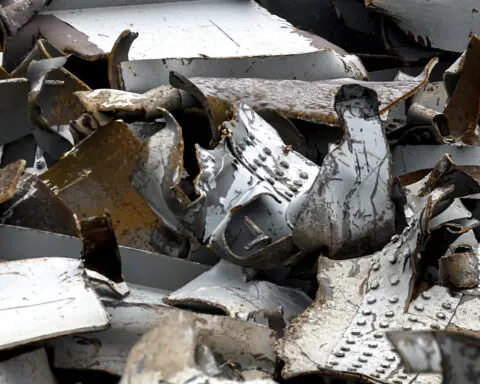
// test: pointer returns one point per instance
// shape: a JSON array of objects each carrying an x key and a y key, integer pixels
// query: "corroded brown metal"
[
  {"x": 118, "y": 54},
  {"x": 9, "y": 178}
]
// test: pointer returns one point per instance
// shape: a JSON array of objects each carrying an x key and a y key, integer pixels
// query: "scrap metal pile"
[{"x": 199, "y": 192}]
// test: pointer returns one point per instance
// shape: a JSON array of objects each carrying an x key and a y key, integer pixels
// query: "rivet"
[
  {"x": 351, "y": 369},
  {"x": 419, "y": 307},
  {"x": 294, "y": 189},
  {"x": 339, "y": 354},
  {"x": 371, "y": 300},
  {"x": 366, "y": 312},
  {"x": 257, "y": 162},
  {"x": 356, "y": 332},
  {"x": 413, "y": 319},
  {"x": 426, "y": 295},
  {"x": 362, "y": 359},
  {"x": 380, "y": 370},
  {"x": 350, "y": 341},
  {"x": 345, "y": 349},
  {"x": 447, "y": 306},
  {"x": 390, "y": 358},
  {"x": 434, "y": 326},
  {"x": 378, "y": 335},
  {"x": 284, "y": 164},
  {"x": 441, "y": 315},
  {"x": 253, "y": 166},
  {"x": 394, "y": 238},
  {"x": 376, "y": 375},
  {"x": 392, "y": 258},
  {"x": 376, "y": 266},
  {"x": 251, "y": 136},
  {"x": 402, "y": 376},
  {"x": 384, "y": 324},
  {"x": 357, "y": 365},
  {"x": 247, "y": 141},
  {"x": 393, "y": 299},
  {"x": 407, "y": 328},
  {"x": 270, "y": 180},
  {"x": 374, "y": 284},
  {"x": 267, "y": 151},
  {"x": 367, "y": 353},
  {"x": 279, "y": 172},
  {"x": 394, "y": 280},
  {"x": 385, "y": 365},
  {"x": 242, "y": 146},
  {"x": 333, "y": 363},
  {"x": 289, "y": 194},
  {"x": 372, "y": 345},
  {"x": 304, "y": 175},
  {"x": 390, "y": 314},
  {"x": 262, "y": 157},
  {"x": 361, "y": 322},
  {"x": 298, "y": 183}
]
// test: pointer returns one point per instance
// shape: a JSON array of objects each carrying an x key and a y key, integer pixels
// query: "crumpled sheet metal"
[
  {"x": 142, "y": 75},
  {"x": 158, "y": 357},
  {"x": 245, "y": 344},
  {"x": 14, "y": 15},
  {"x": 225, "y": 288},
  {"x": 463, "y": 108},
  {"x": 252, "y": 192},
  {"x": 434, "y": 24},
  {"x": 349, "y": 208},
  {"x": 359, "y": 300},
  {"x": 29, "y": 367},
  {"x": 454, "y": 354},
  {"x": 310, "y": 101},
  {"x": 84, "y": 179},
  {"x": 46, "y": 298}
]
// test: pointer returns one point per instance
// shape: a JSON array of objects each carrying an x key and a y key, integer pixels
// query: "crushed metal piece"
[
  {"x": 459, "y": 268},
  {"x": 225, "y": 288},
  {"x": 454, "y": 354},
  {"x": 19, "y": 12},
  {"x": 65, "y": 303},
  {"x": 100, "y": 254},
  {"x": 349, "y": 210},
  {"x": 119, "y": 54},
  {"x": 9, "y": 178}
]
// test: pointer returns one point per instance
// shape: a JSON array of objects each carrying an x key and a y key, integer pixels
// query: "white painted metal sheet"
[
  {"x": 189, "y": 29},
  {"x": 44, "y": 298}
]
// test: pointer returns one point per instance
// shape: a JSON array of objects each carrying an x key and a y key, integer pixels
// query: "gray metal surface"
[
  {"x": 349, "y": 208},
  {"x": 27, "y": 368},
  {"x": 142, "y": 75},
  {"x": 45, "y": 298},
  {"x": 139, "y": 267}
]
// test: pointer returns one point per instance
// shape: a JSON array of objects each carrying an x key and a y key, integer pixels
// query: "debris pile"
[{"x": 241, "y": 200}]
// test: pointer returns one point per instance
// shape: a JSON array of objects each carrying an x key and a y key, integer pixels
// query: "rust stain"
[{"x": 9, "y": 179}]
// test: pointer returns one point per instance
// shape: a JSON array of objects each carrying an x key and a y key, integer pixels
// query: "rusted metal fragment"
[
  {"x": 245, "y": 345},
  {"x": 34, "y": 205},
  {"x": 85, "y": 182},
  {"x": 430, "y": 24},
  {"x": 349, "y": 208},
  {"x": 106, "y": 105},
  {"x": 29, "y": 367},
  {"x": 388, "y": 290},
  {"x": 310, "y": 101},
  {"x": 4, "y": 74},
  {"x": 454, "y": 354},
  {"x": 117, "y": 55},
  {"x": 156, "y": 357},
  {"x": 250, "y": 192},
  {"x": 9, "y": 179},
  {"x": 421, "y": 115},
  {"x": 463, "y": 108},
  {"x": 100, "y": 254},
  {"x": 62, "y": 35},
  {"x": 143, "y": 75},
  {"x": 452, "y": 74},
  {"x": 412, "y": 158},
  {"x": 18, "y": 13},
  {"x": 226, "y": 289},
  {"x": 459, "y": 268},
  {"x": 65, "y": 303}
]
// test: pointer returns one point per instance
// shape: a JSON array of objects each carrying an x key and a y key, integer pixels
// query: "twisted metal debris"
[{"x": 200, "y": 192}]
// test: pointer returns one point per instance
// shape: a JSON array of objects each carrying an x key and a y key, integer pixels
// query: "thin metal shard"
[
  {"x": 349, "y": 209},
  {"x": 225, "y": 288},
  {"x": 118, "y": 54},
  {"x": 65, "y": 303}
]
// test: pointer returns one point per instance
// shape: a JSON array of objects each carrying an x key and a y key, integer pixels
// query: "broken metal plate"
[
  {"x": 349, "y": 208},
  {"x": 29, "y": 367},
  {"x": 46, "y": 298},
  {"x": 253, "y": 31},
  {"x": 225, "y": 288},
  {"x": 142, "y": 75},
  {"x": 434, "y": 24},
  {"x": 310, "y": 101}
]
